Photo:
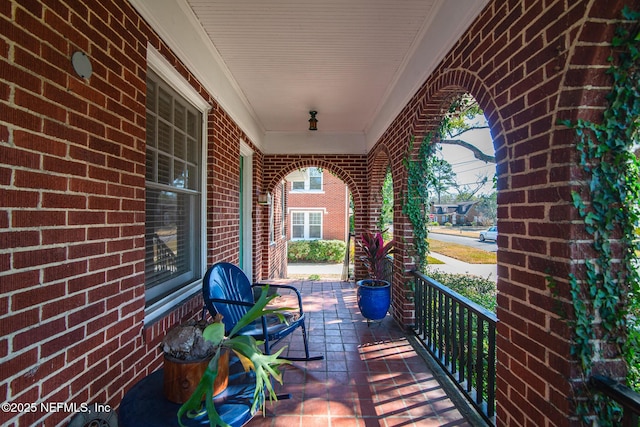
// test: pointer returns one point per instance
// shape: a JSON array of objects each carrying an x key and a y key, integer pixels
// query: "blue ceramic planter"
[{"x": 374, "y": 301}]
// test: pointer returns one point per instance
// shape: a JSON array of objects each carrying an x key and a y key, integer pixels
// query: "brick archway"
[
  {"x": 534, "y": 66},
  {"x": 432, "y": 101},
  {"x": 315, "y": 161},
  {"x": 351, "y": 169}
]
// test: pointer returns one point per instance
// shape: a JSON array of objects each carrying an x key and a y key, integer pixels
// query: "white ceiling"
[{"x": 269, "y": 62}]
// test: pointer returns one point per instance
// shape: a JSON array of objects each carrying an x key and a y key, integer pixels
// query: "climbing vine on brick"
[
  {"x": 421, "y": 178},
  {"x": 415, "y": 204},
  {"x": 606, "y": 302}
]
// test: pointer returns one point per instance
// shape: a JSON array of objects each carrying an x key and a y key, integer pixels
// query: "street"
[{"x": 489, "y": 246}]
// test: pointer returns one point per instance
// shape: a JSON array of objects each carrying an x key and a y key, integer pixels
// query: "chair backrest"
[{"x": 226, "y": 281}]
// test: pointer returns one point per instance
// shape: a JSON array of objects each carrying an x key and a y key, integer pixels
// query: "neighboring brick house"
[
  {"x": 317, "y": 206},
  {"x": 456, "y": 213}
]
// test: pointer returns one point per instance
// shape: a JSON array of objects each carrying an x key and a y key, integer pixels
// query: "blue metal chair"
[{"x": 228, "y": 291}]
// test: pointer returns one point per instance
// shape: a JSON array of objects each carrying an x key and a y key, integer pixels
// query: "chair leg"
[
  {"x": 267, "y": 350},
  {"x": 308, "y": 358}
]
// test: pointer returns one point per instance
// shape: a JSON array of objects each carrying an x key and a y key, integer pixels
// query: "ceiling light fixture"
[{"x": 313, "y": 122}]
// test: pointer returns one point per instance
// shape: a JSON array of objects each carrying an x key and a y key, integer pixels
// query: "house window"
[
  {"x": 272, "y": 234},
  {"x": 306, "y": 225},
  {"x": 312, "y": 181},
  {"x": 173, "y": 190},
  {"x": 283, "y": 207}
]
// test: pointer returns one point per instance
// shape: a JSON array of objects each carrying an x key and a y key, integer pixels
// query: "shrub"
[
  {"x": 316, "y": 251},
  {"x": 478, "y": 289}
]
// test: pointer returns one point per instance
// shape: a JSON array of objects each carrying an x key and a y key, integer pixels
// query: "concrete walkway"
[
  {"x": 452, "y": 265},
  {"x": 301, "y": 270}
]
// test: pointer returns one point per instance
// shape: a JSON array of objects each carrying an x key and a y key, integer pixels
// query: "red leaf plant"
[{"x": 375, "y": 253}]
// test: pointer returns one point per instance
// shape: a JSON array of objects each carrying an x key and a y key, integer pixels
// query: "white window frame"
[
  {"x": 307, "y": 182},
  {"x": 272, "y": 233},
  {"x": 159, "y": 65},
  {"x": 306, "y": 213},
  {"x": 283, "y": 212}
]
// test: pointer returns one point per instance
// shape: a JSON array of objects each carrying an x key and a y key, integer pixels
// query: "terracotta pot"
[{"x": 182, "y": 377}]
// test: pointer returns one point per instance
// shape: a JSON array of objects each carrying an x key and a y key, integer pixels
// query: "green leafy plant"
[
  {"x": 316, "y": 251},
  {"x": 422, "y": 179},
  {"x": 385, "y": 220},
  {"x": 247, "y": 349},
  {"x": 478, "y": 289},
  {"x": 415, "y": 204},
  {"x": 606, "y": 302},
  {"x": 375, "y": 253}
]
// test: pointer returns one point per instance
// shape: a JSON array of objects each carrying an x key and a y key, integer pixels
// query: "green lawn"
[{"x": 462, "y": 252}]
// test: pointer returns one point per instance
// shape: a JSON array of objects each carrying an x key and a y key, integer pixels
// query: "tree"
[
  {"x": 444, "y": 178},
  {"x": 468, "y": 191},
  {"x": 458, "y": 121},
  {"x": 488, "y": 206}
]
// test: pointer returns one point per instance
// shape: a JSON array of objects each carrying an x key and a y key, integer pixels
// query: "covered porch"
[
  {"x": 133, "y": 156},
  {"x": 373, "y": 374}
]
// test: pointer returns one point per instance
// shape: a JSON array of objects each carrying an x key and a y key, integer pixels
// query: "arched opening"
[
  {"x": 313, "y": 206},
  {"x": 316, "y": 224},
  {"x": 463, "y": 234},
  {"x": 450, "y": 332}
]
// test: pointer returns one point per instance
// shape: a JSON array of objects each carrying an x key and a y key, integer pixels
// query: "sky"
[{"x": 465, "y": 165}]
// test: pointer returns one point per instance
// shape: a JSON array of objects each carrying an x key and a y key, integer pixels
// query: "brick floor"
[{"x": 371, "y": 374}]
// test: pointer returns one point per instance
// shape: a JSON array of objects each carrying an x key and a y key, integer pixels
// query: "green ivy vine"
[
  {"x": 415, "y": 204},
  {"x": 606, "y": 301},
  {"x": 421, "y": 178}
]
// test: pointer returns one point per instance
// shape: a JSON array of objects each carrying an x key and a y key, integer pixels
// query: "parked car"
[{"x": 490, "y": 234}]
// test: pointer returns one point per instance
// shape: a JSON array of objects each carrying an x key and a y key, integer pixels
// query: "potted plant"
[
  {"x": 246, "y": 349},
  {"x": 374, "y": 293},
  {"x": 186, "y": 356}
]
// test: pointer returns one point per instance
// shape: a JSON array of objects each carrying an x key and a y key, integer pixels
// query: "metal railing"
[
  {"x": 628, "y": 399},
  {"x": 165, "y": 259},
  {"x": 387, "y": 273},
  {"x": 461, "y": 336}
]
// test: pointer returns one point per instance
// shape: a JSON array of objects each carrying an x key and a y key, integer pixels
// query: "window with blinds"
[
  {"x": 173, "y": 194},
  {"x": 297, "y": 225},
  {"x": 283, "y": 209}
]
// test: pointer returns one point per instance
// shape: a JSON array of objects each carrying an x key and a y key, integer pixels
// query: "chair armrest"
[
  {"x": 232, "y": 302},
  {"x": 205, "y": 309},
  {"x": 292, "y": 288}
]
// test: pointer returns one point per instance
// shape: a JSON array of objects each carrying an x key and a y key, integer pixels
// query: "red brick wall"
[
  {"x": 333, "y": 199},
  {"x": 528, "y": 64},
  {"x": 72, "y": 188},
  {"x": 223, "y": 186}
]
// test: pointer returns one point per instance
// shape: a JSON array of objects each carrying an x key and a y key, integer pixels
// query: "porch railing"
[
  {"x": 165, "y": 258},
  {"x": 461, "y": 336},
  {"x": 628, "y": 399},
  {"x": 387, "y": 272}
]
